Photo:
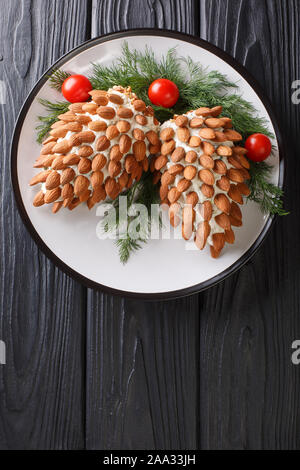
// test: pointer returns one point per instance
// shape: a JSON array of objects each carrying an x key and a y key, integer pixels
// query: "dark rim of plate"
[{"x": 14, "y": 150}]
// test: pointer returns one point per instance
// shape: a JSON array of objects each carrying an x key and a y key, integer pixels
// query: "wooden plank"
[
  {"x": 249, "y": 388},
  {"x": 141, "y": 385},
  {"x": 42, "y": 310}
]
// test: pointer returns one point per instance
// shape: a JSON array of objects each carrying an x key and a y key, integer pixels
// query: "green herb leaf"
[
  {"x": 53, "y": 111},
  {"x": 57, "y": 78}
]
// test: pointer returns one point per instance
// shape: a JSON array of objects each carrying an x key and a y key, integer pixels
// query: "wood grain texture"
[
  {"x": 141, "y": 356},
  {"x": 249, "y": 388},
  {"x": 42, "y": 310}
]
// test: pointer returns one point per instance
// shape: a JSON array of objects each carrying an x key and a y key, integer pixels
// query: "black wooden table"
[{"x": 88, "y": 370}]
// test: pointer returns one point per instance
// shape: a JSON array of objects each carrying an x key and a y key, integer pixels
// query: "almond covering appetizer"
[
  {"x": 96, "y": 150},
  {"x": 203, "y": 176}
]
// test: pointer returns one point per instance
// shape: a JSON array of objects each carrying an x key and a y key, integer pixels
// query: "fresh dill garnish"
[
  {"x": 143, "y": 192},
  {"x": 57, "y": 78},
  {"x": 53, "y": 111},
  {"x": 266, "y": 194}
]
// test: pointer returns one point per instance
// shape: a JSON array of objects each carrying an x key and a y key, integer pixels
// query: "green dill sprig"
[
  {"x": 142, "y": 192},
  {"x": 266, "y": 194},
  {"x": 57, "y": 78},
  {"x": 53, "y": 111}
]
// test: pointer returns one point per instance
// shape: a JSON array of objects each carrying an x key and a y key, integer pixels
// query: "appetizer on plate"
[
  {"x": 203, "y": 175},
  {"x": 96, "y": 150}
]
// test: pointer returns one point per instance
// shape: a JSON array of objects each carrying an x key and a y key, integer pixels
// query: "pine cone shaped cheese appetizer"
[
  {"x": 96, "y": 150},
  {"x": 203, "y": 176}
]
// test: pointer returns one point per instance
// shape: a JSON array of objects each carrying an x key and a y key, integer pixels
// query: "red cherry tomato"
[
  {"x": 76, "y": 88},
  {"x": 163, "y": 92},
  {"x": 259, "y": 147}
]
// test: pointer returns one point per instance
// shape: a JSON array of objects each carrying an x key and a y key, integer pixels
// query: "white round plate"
[{"x": 163, "y": 268}]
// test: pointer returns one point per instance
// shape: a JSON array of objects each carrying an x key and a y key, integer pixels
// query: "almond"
[
  {"x": 100, "y": 97},
  {"x": 183, "y": 185},
  {"x": 130, "y": 164},
  {"x": 97, "y": 178},
  {"x": 102, "y": 143},
  {"x": 214, "y": 253},
  {"x": 139, "y": 150},
  {"x": 44, "y": 161},
  {"x": 188, "y": 218},
  {"x": 39, "y": 199},
  {"x": 216, "y": 111},
  {"x": 56, "y": 206},
  {"x": 153, "y": 149},
  {"x": 57, "y": 124},
  {"x": 173, "y": 195},
  {"x": 115, "y": 154},
  {"x": 195, "y": 141},
  {"x": 196, "y": 123},
  {"x": 62, "y": 147},
  {"x": 90, "y": 108},
  {"x": 98, "y": 126},
  {"x": 112, "y": 188},
  {"x": 220, "y": 137},
  {"x": 235, "y": 194},
  {"x": 52, "y": 195},
  {"x": 237, "y": 150},
  {"x": 218, "y": 240},
  {"x": 106, "y": 112},
  {"x": 207, "y": 133},
  {"x": 183, "y": 134},
  {"x": 220, "y": 167},
  {"x": 139, "y": 105},
  {"x": 125, "y": 113},
  {"x": 152, "y": 137},
  {"x": 138, "y": 134},
  {"x": 223, "y": 221},
  {"x": 167, "y": 178},
  {"x": 181, "y": 121},
  {"x": 224, "y": 151},
  {"x": 73, "y": 126},
  {"x": 191, "y": 156},
  {"x": 226, "y": 122},
  {"x": 207, "y": 191},
  {"x": 167, "y": 134},
  {"x": 116, "y": 99},
  {"x": 71, "y": 159},
  {"x": 141, "y": 120},
  {"x": 156, "y": 177},
  {"x": 49, "y": 139},
  {"x": 114, "y": 168},
  {"x": 206, "y": 161},
  {"x": 125, "y": 143},
  {"x": 192, "y": 198},
  {"x": 123, "y": 179},
  {"x": 85, "y": 151},
  {"x": 123, "y": 126},
  {"x": 207, "y": 177},
  {"x": 235, "y": 175},
  {"x": 245, "y": 174},
  {"x": 176, "y": 169},
  {"x": 67, "y": 191},
  {"x": 244, "y": 189},
  {"x": 160, "y": 162},
  {"x": 208, "y": 148},
  {"x": 163, "y": 192},
  {"x": 83, "y": 119},
  {"x": 213, "y": 123},
  {"x": 40, "y": 177},
  {"x": 229, "y": 236},
  {"x": 234, "y": 161},
  {"x": 232, "y": 135},
  {"x": 173, "y": 214},
  {"x": 53, "y": 180},
  {"x": 190, "y": 172},
  {"x": 85, "y": 196},
  {"x": 99, "y": 194},
  {"x": 58, "y": 163},
  {"x": 178, "y": 154},
  {"x": 145, "y": 164},
  {"x": 112, "y": 132},
  {"x": 224, "y": 183},
  {"x": 67, "y": 117},
  {"x": 48, "y": 148},
  {"x": 74, "y": 203},
  {"x": 59, "y": 132},
  {"x": 76, "y": 107},
  {"x": 222, "y": 202},
  {"x": 206, "y": 210},
  {"x": 84, "y": 166},
  {"x": 235, "y": 211},
  {"x": 99, "y": 161},
  {"x": 67, "y": 176},
  {"x": 203, "y": 112},
  {"x": 81, "y": 185},
  {"x": 202, "y": 234},
  {"x": 244, "y": 162},
  {"x": 235, "y": 222}
]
